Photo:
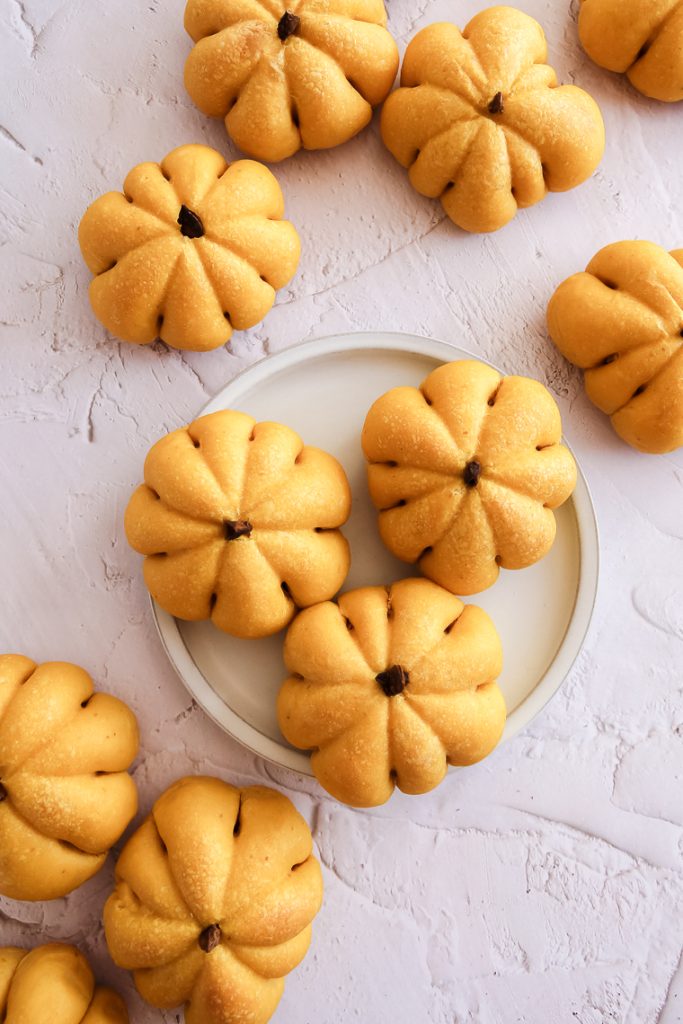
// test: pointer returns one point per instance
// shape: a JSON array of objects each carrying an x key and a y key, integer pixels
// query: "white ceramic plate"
[{"x": 323, "y": 389}]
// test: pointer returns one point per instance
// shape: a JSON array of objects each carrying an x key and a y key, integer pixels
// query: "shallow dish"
[{"x": 323, "y": 389}]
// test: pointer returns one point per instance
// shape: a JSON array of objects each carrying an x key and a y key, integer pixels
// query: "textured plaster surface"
[{"x": 543, "y": 886}]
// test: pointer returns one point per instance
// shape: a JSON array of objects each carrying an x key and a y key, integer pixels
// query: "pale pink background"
[{"x": 543, "y": 886}]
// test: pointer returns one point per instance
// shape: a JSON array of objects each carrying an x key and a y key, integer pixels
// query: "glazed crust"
[
  {"x": 314, "y": 88},
  {"x": 419, "y": 443},
  {"x": 54, "y": 984},
  {"x": 212, "y": 855},
  {"x": 640, "y": 38},
  {"x": 66, "y": 793},
  {"x": 364, "y": 742},
  {"x": 152, "y": 280},
  {"x": 621, "y": 321},
  {"x": 226, "y": 468},
  {"x": 486, "y": 163}
]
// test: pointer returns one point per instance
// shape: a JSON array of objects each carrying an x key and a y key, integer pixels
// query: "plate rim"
[{"x": 572, "y": 642}]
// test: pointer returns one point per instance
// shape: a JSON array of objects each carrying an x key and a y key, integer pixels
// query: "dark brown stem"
[
  {"x": 190, "y": 224},
  {"x": 471, "y": 473},
  {"x": 235, "y": 528},
  {"x": 496, "y": 106},
  {"x": 209, "y": 938},
  {"x": 393, "y": 680},
  {"x": 288, "y": 25}
]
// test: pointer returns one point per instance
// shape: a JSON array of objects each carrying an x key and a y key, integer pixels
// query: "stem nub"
[
  {"x": 393, "y": 680},
  {"x": 209, "y": 938},
  {"x": 288, "y": 25},
  {"x": 190, "y": 224},
  {"x": 496, "y": 106},
  {"x": 471, "y": 473},
  {"x": 235, "y": 528}
]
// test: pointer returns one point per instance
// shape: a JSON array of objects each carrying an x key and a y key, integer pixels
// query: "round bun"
[
  {"x": 622, "y": 322},
  {"x": 390, "y": 686},
  {"x": 65, "y": 794},
  {"x": 238, "y": 521},
  {"x": 215, "y": 895},
  {"x": 54, "y": 983},
  {"x": 482, "y": 124},
  {"x": 192, "y": 248},
  {"x": 640, "y": 38},
  {"x": 465, "y": 471},
  {"x": 283, "y": 79}
]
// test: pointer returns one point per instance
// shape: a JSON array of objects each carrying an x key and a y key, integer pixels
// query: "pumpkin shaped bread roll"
[
  {"x": 482, "y": 124},
  {"x": 390, "y": 686},
  {"x": 285, "y": 76},
  {"x": 54, "y": 984},
  {"x": 621, "y": 321},
  {"x": 215, "y": 895},
  {"x": 642, "y": 39},
  {"x": 190, "y": 250},
  {"x": 239, "y": 521},
  {"x": 65, "y": 793},
  {"x": 466, "y": 471}
]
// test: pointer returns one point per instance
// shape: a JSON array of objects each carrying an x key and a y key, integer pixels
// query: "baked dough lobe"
[
  {"x": 191, "y": 249},
  {"x": 65, "y": 792},
  {"x": 482, "y": 124},
  {"x": 621, "y": 321},
  {"x": 307, "y": 73},
  {"x": 54, "y": 984},
  {"x": 390, "y": 686},
  {"x": 214, "y": 899},
  {"x": 466, "y": 471},
  {"x": 640, "y": 38},
  {"x": 238, "y": 521}
]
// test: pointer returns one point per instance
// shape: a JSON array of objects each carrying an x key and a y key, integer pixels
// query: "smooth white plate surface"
[{"x": 323, "y": 389}]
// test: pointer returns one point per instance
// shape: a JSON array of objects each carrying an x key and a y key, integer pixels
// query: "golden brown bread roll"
[
  {"x": 306, "y": 74},
  {"x": 65, "y": 794},
  {"x": 54, "y": 984},
  {"x": 215, "y": 895},
  {"x": 239, "y": 522},
  {"x": 641, "y": 38},
  {"x": 482, "y": 124},
  {"x": 192, "y": 248},
  {"x": 390, "y": 686},
  {"x": 622, "y": 322},
  {"x": 465, "y": 471}
]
